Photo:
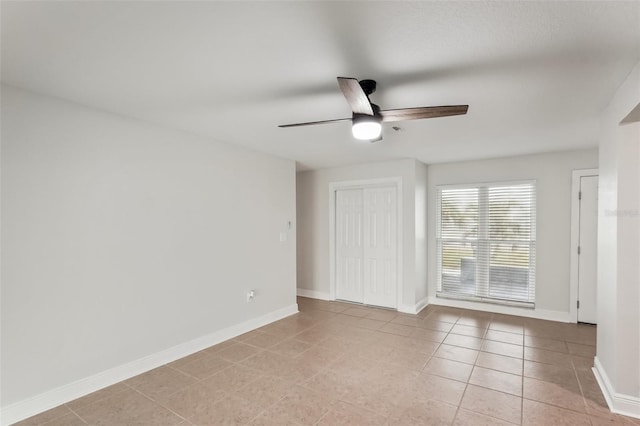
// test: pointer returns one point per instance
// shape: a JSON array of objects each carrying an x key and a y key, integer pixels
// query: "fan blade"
[
  {"x": 311, "y": 123},
  {"x": 357, "y": 99},
  {"x": 422, "y": 112}
]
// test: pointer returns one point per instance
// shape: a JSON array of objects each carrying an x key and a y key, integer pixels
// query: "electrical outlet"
[{"x": 251, "y": 294}]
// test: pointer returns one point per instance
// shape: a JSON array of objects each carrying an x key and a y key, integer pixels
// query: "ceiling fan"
[{"x": 367, "y": 117}]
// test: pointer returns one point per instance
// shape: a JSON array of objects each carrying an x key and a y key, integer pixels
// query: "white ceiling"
[{"x": 535, "y": 74}]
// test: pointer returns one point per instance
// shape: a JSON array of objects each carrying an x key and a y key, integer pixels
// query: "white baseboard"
[
  {"x": 423, "y": 303},
  {"x": 414, "y": 309},
  {"x": 313, "y": 294},
  {"x": 407, "y": 309},
  {"x": 50, "y": 399},
  {"x": 502, "y": 309},
  {"x": 626, "y": 405}
]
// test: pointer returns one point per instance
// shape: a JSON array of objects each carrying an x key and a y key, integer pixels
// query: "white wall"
[
  {"x": 121, "y": 239},
  {"x": 421, "y": 266},
  {"x": 552, "y": 173},
  {"x": 313, "y": 222},
  {"x": 618, "y": 349}
]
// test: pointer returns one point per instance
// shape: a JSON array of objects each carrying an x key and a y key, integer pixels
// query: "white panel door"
[
  {"x": 380, "y": 247},
  {"x": 587, "y": 258},
  {"x": 349, "y": 248}
]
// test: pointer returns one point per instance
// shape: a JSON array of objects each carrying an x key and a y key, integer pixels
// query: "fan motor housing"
[{"x": 368, "y": 86}]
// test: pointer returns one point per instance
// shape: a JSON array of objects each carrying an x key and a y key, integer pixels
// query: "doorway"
[
  {"x": 585, "y": 234},
  {"x": 366, "y": 231}
]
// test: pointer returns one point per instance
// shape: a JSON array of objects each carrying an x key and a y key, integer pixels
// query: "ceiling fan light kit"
[
  {"x": 367, "y": 118},
  {"x": 366, "y": 127}
]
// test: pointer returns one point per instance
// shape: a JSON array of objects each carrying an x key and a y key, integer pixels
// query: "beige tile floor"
[{"x": 341, "y": 364}]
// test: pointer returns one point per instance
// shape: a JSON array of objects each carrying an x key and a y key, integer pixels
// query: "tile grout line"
[
  {"x": 466, "y": 386},
  {"x": 157, "y": 403},
  {"x": 73, "y": 412},
  {"x": 584, "y": 400}
]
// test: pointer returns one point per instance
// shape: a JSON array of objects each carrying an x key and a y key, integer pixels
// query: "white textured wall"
[
  {"x": 313, "y": 221},
  {"x": 618, "y": 348},
  {"x": 552, "y": 173},
  {"x": 121, "y": 239}
]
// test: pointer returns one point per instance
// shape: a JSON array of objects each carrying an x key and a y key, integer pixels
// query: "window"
[{"x": 486, "y": 242}]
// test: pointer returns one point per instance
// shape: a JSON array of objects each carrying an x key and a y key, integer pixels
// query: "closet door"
[
  {"x": 380, "y": 247},
  {"x": 349, "y": 248}
]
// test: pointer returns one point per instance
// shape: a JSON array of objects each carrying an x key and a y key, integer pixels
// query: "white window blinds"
[{"x": 486, "y": 242}]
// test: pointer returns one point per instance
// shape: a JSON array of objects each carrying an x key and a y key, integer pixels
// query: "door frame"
[
  {"x": 576, "y": 175},
  {"x": 362, "y": 184}
]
